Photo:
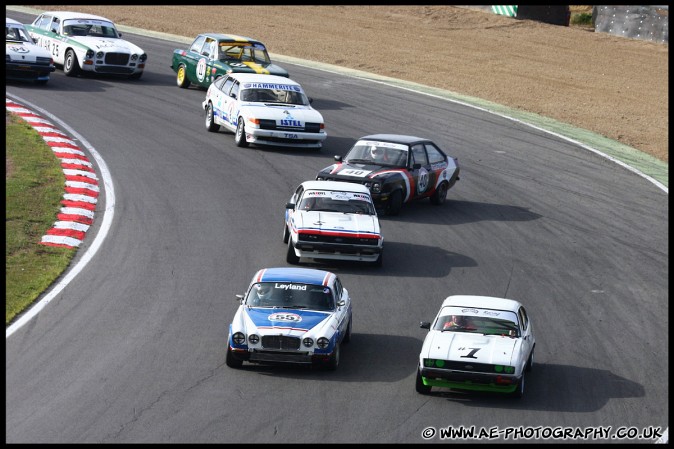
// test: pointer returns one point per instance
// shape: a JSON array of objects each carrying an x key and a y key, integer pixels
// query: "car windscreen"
[
  {"x": 290, "y": 295},
  {"x": 379, "y": 153},
  {"x": 276, "y": 93},
  {"x": 476, "y": 320},
  {"x": 86, "y": 27},
  {"x": 336, "y": 201}
]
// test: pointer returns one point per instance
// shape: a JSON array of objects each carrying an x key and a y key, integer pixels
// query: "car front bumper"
[
  {"x": 285, "y": 138},
  {"x": 463, "y": 380},
  {"x": 336, "y": 251}
]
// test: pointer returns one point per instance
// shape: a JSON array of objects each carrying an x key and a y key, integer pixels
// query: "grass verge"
[{"x": 34, "y": 183}]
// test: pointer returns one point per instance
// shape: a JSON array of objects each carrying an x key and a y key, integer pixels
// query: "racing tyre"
[
  {"x": 70, "y": 65},
  {"x": 240, "y": 134},
  {"x": 181, "y": 77},
  {"x": 333, "y": 362},
  {"x": 210, "y": 122},
  {"x": 395, "y": 203},
  {"x": 420, "y": 387},
  {"x": 530, "y": 361},
  {"x": 519, "y": 391},
  {"x": 231, "y": 360},
  {"x": 286, "y": 233},
  {"x": 291, "y": 257},
  {"x": 440, "y": 194}
]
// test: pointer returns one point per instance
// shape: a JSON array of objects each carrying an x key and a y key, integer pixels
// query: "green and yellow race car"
[{"x": 212, "y": 55}]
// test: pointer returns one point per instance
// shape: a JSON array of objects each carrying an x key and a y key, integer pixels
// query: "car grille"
[
  {"x": 280, "y": 342},
  {"x": 307, "y": 128},
  {"x": 468, "y": 366},
  {"x": 338, "y": 240},
  {"x": 117, "y": 58}
]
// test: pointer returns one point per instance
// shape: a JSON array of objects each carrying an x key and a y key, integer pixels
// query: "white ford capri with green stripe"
[
  {"x": 82, "y": 42},
  {"x": 477, "y": 343}
]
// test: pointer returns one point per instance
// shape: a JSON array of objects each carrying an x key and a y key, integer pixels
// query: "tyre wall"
[{"x": 634, "y": 21}]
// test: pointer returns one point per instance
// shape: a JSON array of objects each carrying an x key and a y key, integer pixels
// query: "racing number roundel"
[
  {"x": 422, "y": 185},
  {"x": 201, "y": 69},
  {"x": 285, "y": 316}
]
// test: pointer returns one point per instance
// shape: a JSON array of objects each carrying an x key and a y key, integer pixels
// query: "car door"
[
  {"x": 438, "y": 167},
  {"x": 419, "y": 172},
  {"x": 192, "y": 58},
  {"x": 220, "y": 98},
  {"x": 342, "y": 311},
  {"x": 42, "y": 30}
]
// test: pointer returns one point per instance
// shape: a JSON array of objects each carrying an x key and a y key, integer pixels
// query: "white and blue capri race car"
[{"x": 291, "y": 315}]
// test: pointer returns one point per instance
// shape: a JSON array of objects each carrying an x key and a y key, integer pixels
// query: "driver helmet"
[
  {"x": 376, "y": 152},
  {"x": 264, "y": 292}
]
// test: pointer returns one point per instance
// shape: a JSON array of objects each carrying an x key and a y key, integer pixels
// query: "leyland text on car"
[{"x": 291, "y": 315}]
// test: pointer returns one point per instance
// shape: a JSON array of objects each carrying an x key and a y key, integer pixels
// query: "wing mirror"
[
  {"x": 239, "y": 298},
  {"x": 338, "y": 158},
  {"x": 290, "y": 205},
  {"x": 425, "y": 325}
]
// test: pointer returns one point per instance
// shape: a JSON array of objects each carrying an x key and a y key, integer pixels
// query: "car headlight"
[
  {"x": 143, "y": 57},
  {"x": 376, "y": 187},
  {"x": 504, "y": 369},
  {"x": 320, "y": 178},
  {"x": 134, "y": 57},
  {"x": 100, "y": 54},
  {"x": 253, "y": 339},
  {"x": 323, "y": 342},
  {"x": 239, "y": 338},
  {"x": 90, "y": 54},
  {"x": 308, "y": 342}
]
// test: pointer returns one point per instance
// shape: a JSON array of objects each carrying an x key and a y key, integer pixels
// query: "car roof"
[
  {"x": 262, "y": 78},
  {"x": 337, "y": 186},
  {"x": 395, "y": 138},
  {"x": 66, "y": 15},
  {"x": 231, "y": 38},
  {"x": 482, "y": 302},
  {"x": 13, "y": 22},
  {"x": 294, "y": 274}
]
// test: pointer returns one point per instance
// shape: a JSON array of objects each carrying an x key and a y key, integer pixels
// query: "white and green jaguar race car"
[{"x": 87, "y": 43}]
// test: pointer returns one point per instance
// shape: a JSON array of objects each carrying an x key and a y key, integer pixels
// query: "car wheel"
[
  {"x": 210, "y": 122},
  {"x": 240, "y": 134},
  {"x": 440, "y": 194},
  {"x": 232, "y": 360},
  {"x": 181, "y": 77},
  {"x": 286, "y": 233},
  {"x": 333, "y": 362},
  {"x": 70, "y": 65},
  {"x": 291, "y": 257},
  {"x": 420, "y": 387},
  {"x": 347, "y": 335},
  {"x": 519, "y": 391},
  {"x": 395, "y": 203},
  {"x": 530, "y": 361}
]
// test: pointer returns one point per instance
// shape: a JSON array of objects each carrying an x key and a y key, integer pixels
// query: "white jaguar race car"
[
  {"x": 290, "y": 315},
  {"x": 263, "y": 110},
  {"x": 87, "y": 43},
  {"x": 332, "y": 220},
  {"x": 477, "y": 343}
]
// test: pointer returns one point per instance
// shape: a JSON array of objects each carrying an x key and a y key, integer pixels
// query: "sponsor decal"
[
  {"x": 272, "y": 86},
  {"x": 285, "y": 316},
  {"x": 290, "y": 286}
]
